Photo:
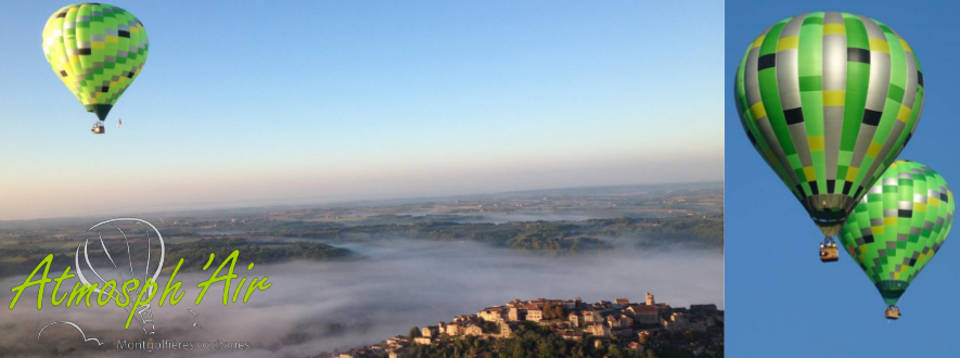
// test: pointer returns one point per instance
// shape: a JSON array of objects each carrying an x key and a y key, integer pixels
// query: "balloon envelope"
[
  {"x": 829, "y": 99},
  {"x": 899, "y": 225},
  {"x": 97, "y": 50}
]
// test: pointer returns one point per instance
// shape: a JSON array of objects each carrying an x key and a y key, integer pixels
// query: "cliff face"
[{"x": 563, "y": 328}]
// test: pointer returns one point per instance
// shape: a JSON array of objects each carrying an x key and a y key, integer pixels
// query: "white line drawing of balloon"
[
  {"x": 71, "y": 324},
  {"x": 144, "y": 313}
]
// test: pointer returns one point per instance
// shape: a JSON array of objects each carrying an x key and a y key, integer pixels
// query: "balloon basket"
[
  {"x": 98, "y": 129},
  {"x": 829, "y": 253},
  {"x": 892, "y": 312}
]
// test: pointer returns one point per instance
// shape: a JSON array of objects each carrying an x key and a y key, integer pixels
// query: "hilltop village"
[{"x": 603, "y": 329}]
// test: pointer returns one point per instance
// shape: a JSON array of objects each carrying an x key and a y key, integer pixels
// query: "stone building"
[
  {"x": 534, "y": 315},
  {"x": 398, "y": 341},
  {"x": 453, "y": 329},
  {"x": 506, "y": 330},
  {"x": 430, "y": 331},
  {"x": 645, "y": 314},
  {"x": 492, "y": 314},
  {"x": 515, "y": 314},
  {"x": 598, "y": 329},
  {"x": 473, "y": 330},
  {"x": 464, "y": 318},
  {"x": 619, "y": 321},
  {"x": 590, "y": 316}
]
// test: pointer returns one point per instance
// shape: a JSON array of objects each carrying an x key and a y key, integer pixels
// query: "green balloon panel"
[
  {"x": 829, "y": 99},
  {"x": 97, "y": 50},
  {"x": 899, "y": 225}
]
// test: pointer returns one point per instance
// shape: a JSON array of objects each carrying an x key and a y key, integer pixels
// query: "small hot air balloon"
[
  {"x": 829, "y": 99},
  {"x": 898, "y": 227},
  {"x": 97, "y": 50}
]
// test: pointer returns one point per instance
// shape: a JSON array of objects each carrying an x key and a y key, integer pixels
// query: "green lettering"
[
  {"x": 113, "y": 287},
  {"x": 45, "y": 264},
  {"x": 232, "y": 260},
  {"x": 126, "y": 291},
  {"x": 56, "y": 288},
  {"x": 177, "y": 292},
  {"x": 80, "y": 289},
  {"x": 151, "y": 289},
  {"x": 259, "y": 285}
]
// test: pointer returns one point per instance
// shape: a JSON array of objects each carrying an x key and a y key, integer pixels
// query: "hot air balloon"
[
  {"x": 829, "y": 99},
  {"x": 898, "y": 227},
  {"x": 97, "y": 50}
]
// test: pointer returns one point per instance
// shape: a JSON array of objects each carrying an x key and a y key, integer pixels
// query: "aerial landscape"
[
  {"x": 351, "y": 275},
  {"x": 362, "y": 179},
  {"x": 564, "y": 328}
]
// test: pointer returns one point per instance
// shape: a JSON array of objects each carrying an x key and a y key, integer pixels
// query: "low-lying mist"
[{"x": 314, "y": 307}]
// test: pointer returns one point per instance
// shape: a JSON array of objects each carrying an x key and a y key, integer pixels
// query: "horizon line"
[{"x": 320, "y": 203}]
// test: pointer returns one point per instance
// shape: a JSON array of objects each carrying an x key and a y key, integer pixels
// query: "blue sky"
[
  {"x": 780, "y": 300},
  {"x": 270, "y": 102}
]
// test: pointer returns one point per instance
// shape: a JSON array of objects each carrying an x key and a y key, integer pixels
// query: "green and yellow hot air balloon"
[
  {"x": 829, "y": 99},
  {"x": 898, "y": 227},
  {"x": 97, "y": 50}
]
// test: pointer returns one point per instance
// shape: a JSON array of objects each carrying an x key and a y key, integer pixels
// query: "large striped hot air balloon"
[
  {"x": 898, "y": 227},
  {"x": 97, "y": 50},
  {"x": 829, "y": 99}
]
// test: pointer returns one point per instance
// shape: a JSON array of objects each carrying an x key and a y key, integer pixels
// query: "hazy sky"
[{"x": 265, "y": 102}]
